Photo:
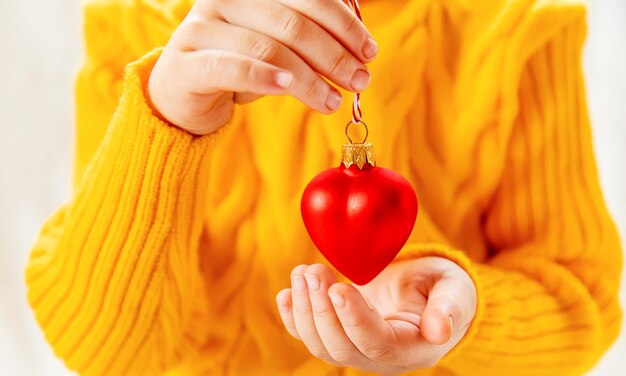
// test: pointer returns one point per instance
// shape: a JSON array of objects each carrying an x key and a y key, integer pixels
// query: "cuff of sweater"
[
  {"x": 138, "y": 137},
  {"x": 413, "y": 251},
  {"x": 134, "y": 104}
]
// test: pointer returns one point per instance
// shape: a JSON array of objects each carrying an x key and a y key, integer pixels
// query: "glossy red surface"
[{"x": 359, "y": 219}]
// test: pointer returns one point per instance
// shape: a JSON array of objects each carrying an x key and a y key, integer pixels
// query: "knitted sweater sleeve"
[
  {"x": 113, "y": 277},
  {"x": 548, "y": 293}
]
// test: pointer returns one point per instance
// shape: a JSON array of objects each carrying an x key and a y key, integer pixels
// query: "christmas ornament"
[{"x": 359, "y": 215}]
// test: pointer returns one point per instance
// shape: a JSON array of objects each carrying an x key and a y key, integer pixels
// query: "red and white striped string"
[{"x": 356, "y": 104}]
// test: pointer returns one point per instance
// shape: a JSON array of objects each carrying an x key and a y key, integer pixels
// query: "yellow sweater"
[{"x": 170, "y": 252}]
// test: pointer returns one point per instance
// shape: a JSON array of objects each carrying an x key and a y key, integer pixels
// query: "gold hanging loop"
[{"x": 357, "y": 123}]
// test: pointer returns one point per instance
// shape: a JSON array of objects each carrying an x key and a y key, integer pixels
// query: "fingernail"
[
  {"x": 333, "y": 100},
  {"x": 370, "y": 48},
  {"x": 337, "y": 299},
  {"x": 360, "y": 80},
  {"x": 313, "y": 281},
  {"x": 298, "y": 282},
  {"x": 451, "y": 323},
  {"x": 283, "y": 79}
]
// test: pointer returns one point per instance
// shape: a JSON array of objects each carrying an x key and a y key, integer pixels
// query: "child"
[{"x": 184, "y": 224}]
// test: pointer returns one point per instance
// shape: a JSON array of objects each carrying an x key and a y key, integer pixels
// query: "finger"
[
  {"x": 303, "y": 316},
  {"x": 231, "y": 71},
  {"x": 307, "y": 86},
  {"x": 319, "y": 277},
  {"x": 283, "y": 300},
  {"x": 307, "y": 39},
  {"x": 443, "y": 311},
  {"x": 341, "y": 22},
  {"x": 367, "y": 330}
]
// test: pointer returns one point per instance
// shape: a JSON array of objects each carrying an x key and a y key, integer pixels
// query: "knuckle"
[
  {"x": 247, "y": 69},
  {"x": 311, "y": 89},
  {"x": 343, "y": 356},
  {"x": 320, "y": 353},
  {"x": 317, "y": 269},
  {"x": 321, "y": 310},
  {"x": 193, "y": 27},
  {"x": 380, "y": 352},
  {"x": 353, "y": 322},
  {"x": 339, "y": 63},
  {"x": 212, "y": 61},
  {"x": 182, "y": 37},
  {"x": 298, "y": 270},
  {"x": 264, "y": 50},
  {"x": 293, "y": 26},
  {"x": 352, "y": 25},
  {"x": 301, "y": 309}
]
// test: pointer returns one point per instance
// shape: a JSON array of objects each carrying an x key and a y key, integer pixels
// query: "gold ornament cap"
[{"x": 358, "y": 154}]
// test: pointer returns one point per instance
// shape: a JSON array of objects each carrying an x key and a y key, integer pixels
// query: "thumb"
[{"x": 443, "y": 312}]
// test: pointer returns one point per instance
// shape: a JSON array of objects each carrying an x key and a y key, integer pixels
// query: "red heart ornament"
[{"x": 359, "y": 217}]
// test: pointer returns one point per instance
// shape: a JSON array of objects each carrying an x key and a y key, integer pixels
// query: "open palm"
[{"x": 408, "y": 317}]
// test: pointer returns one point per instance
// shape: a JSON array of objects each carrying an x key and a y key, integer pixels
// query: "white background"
[{"x": 39, "y": 53}]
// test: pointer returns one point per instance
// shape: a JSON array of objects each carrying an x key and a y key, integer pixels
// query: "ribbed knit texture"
[{"x": 170, "y": 252}]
